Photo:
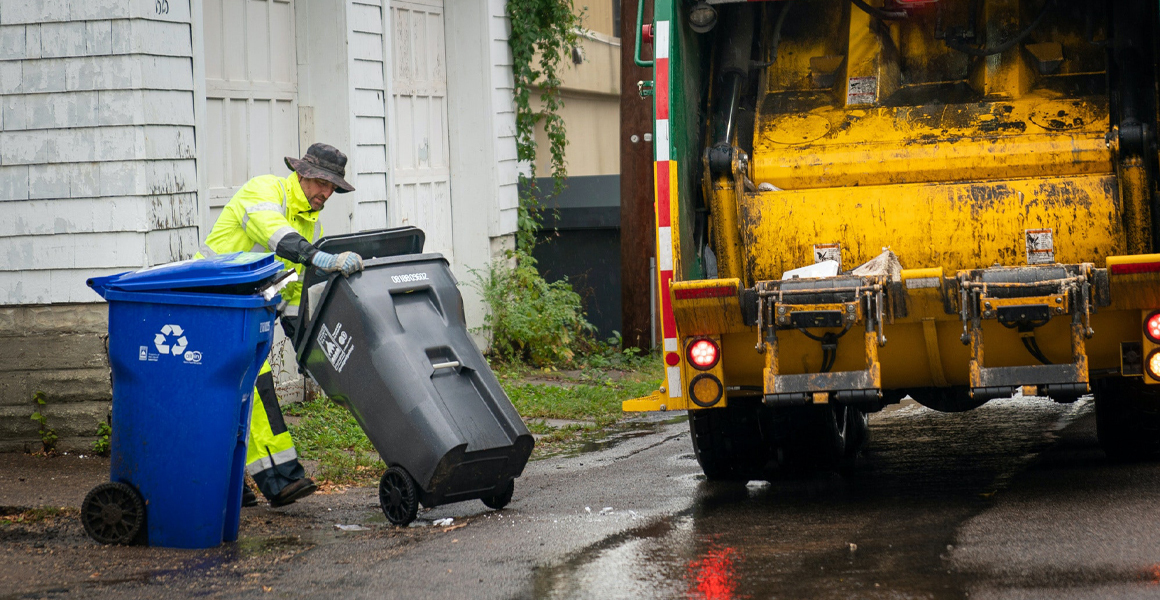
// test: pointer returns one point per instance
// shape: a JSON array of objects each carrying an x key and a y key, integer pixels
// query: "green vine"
[
  {"x": 543, "y": 32},
  {"x": 530, "y": 319}
]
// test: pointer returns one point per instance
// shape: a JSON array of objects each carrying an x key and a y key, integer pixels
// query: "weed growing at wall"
[
  {"x": 48, "y": 437},
  {"x": 530, "y": 319},
  {"x": 100, "y": 445}
]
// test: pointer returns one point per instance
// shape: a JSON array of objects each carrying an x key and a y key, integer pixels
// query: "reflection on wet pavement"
[
  {"x": 887, "y": 532},
  {"x": 614, "y": 435}
]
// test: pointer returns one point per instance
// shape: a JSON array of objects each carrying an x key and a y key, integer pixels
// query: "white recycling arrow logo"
[{"x": 161, "y": 340}]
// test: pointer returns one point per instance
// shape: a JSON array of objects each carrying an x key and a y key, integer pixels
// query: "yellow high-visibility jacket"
[{"x": 259, "y": 216}]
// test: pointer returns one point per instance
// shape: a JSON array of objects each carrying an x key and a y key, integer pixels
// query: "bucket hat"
[{"x": 322, "y": 161}]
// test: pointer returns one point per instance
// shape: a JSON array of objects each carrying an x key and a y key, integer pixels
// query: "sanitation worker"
[{"x": 280, "y": 215}]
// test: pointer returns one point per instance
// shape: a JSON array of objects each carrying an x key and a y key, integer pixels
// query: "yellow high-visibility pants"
[{"x": 270, "y": 457}]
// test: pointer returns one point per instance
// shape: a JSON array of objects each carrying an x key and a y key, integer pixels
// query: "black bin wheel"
[
  {"x": 501, "y": 499},
  {"x": 113, "y": 513},
  {"x": 398, "y": 496}
]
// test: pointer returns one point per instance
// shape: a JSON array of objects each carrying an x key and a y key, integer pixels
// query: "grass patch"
[
  {"x": 327, "y": 433},
  {"x": 35, "y": 515},
  {"x": 592, "y": 394}
]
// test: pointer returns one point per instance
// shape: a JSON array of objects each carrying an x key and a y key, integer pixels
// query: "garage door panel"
[
  {"x": 435, "y": 72},
  {"x": 420, "y": 157},
  {"x": 405, "y": 133},
  {"x": 237, "y": 151},
  {"x": 251, "y": 92},
  {"x": 213, "y": 39},
  {"x": 282, "y": 58},
  {"x": 258, "y": 43},
  {"x": 233, "y": 38},
  {"x": 285, "y": 135},
  {"x": 259, "y": 142},
  {"x": 438, "y": 155},
  {"x": 214, "y": 158}
]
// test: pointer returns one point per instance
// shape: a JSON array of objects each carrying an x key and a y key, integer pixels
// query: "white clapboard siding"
[
  {"x": 251, "y": 93},
  {"x": 98, "y": 169},
  {"x": 420, "y": 156},
  {"x": 368, "y": 77},
  {"x": 503, "y": 99}
]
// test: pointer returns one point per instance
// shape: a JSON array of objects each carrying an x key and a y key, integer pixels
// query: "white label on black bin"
[
  {"x": 337, "y": 345},
  {"x": 409, "y": 277}
]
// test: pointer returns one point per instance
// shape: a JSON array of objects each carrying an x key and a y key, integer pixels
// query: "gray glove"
[{"x": 347, "y": 262}]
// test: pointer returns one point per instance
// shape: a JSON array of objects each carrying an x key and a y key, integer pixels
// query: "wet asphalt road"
[{"x": 1013, "y": 500}]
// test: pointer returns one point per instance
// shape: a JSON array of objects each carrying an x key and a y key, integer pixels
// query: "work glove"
[
  {"x": 349, "y": 263},
  {"x": 346, "y": 262}
]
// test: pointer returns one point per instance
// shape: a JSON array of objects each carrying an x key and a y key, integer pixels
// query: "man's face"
[{"x": 317, "y": 191}]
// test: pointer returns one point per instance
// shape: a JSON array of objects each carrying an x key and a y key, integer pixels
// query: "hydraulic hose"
[
  {"x": 957, "y": 44},
  {"x": 878, "y": 13}
]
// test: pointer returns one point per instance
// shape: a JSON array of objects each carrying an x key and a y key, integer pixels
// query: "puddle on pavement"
[
  {"x": 614, "y": 435},
  {"x": 887, "y": 532}
]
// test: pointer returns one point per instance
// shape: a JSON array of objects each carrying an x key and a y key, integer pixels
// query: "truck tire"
[
  {"x": 812, "y": 438},
  {"x": 730, "y": 443},
  {"x": 857, "y": 435},
  {"x": 1128, "y": 418}
]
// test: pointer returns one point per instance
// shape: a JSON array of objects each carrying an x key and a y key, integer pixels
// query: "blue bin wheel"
[
  {"x": 501, "y": 499},
  {"x": 398, "y": 496},
  {"x": 113, "y": 513}
]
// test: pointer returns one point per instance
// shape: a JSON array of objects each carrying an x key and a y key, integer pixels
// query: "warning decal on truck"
[
  {"x": 337, "y": 346},
  {"x": 862, "y": 90},
  {"x": 828, "y": 252},
  {"x": 1040, "y": 246}
]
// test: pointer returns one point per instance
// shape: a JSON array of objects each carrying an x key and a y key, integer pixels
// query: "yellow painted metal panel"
[
  {"x": 872, "y": 146},
  {"x": 954, "y": 226}
]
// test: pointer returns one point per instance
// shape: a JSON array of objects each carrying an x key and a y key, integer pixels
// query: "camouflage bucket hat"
[{"x": 322, "y": 161}]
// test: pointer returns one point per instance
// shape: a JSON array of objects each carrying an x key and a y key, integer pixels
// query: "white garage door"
[
  {"x": 419, "y": 106},
  {"x": 251, "y": 93}
]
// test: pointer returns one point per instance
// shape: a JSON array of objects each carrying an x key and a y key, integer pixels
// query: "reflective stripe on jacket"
[{"x": 259, "y": 216}]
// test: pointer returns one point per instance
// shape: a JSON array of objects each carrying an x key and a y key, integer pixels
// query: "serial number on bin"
[{"x": 409, "y": 277}]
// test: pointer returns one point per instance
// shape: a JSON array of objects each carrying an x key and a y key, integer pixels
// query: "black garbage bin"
[{"x": 391, "y": 345}]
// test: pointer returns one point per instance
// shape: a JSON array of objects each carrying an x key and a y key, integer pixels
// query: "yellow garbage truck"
[{"x": 863, "y": 200}]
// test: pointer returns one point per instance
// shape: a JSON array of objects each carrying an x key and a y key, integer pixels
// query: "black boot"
[
  {"x": 297, "y": 490},
  {"x": 248, "y": 497}
]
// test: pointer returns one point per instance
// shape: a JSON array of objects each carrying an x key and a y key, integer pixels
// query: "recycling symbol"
[{"x": 161, "y": 340}]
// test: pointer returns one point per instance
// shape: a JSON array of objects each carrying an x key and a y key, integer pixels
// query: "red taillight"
[
  {"x": 703, "y": 354},
  {"x": 1152, "y": 327}
]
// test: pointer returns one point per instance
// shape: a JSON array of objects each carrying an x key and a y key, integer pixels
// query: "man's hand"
[{"x": 348, "y": 262}]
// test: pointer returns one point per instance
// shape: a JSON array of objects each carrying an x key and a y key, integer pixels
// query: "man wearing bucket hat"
[{"x": 280, "y": 215}]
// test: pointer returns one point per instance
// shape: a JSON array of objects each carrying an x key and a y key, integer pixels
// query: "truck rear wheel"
[
  {"x": 730, "y": 443},
  {"x": 821, "y": 438},
  {"x": 1128, "y": 418},
  {"x": 857, "y": 435}
]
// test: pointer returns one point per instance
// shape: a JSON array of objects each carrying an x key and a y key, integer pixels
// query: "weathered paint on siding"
[
  {"x": 503, "y": 94},
  {"x": 97, "y": 150},
  {"x": 368, "y": 52}
]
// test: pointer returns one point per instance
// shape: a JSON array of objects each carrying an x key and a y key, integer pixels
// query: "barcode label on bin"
[{"x": 408, "y": 278}]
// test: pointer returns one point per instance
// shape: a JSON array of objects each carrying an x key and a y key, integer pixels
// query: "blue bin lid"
[{"x": 224, "y": 270}]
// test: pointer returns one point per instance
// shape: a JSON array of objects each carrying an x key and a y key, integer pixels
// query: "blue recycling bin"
[{"x": 186, "y": 342}]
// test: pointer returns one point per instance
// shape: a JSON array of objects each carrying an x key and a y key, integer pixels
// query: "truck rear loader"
[{"x": 976, "y": 178}]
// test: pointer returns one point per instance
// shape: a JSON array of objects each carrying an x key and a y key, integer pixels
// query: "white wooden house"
[{"x": 125, "y": 126}]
